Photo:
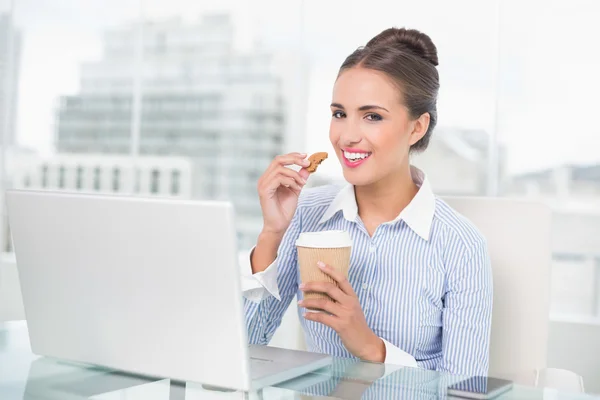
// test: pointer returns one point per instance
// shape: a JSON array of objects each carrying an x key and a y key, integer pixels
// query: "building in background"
[
  {"x": 10, "y": 57},
  {"x": 201, "y": 99},
  {"x": 456, "y": 161},
  {"x": 106, "y": 173},
  {"x": 166, "y": 177},
  {"x": 561, "y": 183}
]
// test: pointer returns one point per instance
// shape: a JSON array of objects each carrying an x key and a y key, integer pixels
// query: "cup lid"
[{"x": 324, "y": 239}]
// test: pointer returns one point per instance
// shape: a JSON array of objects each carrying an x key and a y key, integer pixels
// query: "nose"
[{"x": 350, "y": 136}]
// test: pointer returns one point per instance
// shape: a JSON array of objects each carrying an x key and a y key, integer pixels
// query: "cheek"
[
  {"x": 384, "y": 137},
  {"x": 393, "y": 136},
  {"x": 334, "y": 133}
]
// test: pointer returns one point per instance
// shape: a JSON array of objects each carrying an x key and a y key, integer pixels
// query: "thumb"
[{"x": 304, "y": 173}]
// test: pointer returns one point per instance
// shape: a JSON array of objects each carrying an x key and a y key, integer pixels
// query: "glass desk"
[{"x": 24, "y": 376}]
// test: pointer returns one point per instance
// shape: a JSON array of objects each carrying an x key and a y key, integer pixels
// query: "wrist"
[
  {"x": 375, "y": 350},
  {"x": 270, "y": 239},
  {"x": 265, "y": 251}
]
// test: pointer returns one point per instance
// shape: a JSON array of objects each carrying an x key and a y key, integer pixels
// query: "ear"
[{"x": 420, "y": 126}]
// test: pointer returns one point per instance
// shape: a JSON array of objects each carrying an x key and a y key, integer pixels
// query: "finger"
[
  {"x": 322, "y": 318},
  {"x": 322, "y": 304},
  {"x": 288, "y": 182},
  {"x": 298, "y": 159},
  {"x": 328, "y": 288},
  {"x": 337, "y": 276},
  {"x": 304, "y": 173},
  {"x": 285, "y": 176},
  {"x": 270, "y": 186},
  {"x": 283, "y": 161},
  {"x": 291, "y": 173}
]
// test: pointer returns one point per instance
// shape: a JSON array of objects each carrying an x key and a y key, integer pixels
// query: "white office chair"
[{"x": 518, "y": 235}]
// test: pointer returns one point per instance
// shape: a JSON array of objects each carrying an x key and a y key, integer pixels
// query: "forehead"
[{"x": 360, "y": 86}]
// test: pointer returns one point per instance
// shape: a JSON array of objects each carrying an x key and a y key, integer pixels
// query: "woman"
[{"x": 420, "y": 282}]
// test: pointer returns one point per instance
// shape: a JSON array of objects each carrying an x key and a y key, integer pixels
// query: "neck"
[{"x": 383, "y": 200}]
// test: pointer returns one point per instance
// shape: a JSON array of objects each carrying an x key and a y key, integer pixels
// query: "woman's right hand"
[{"x": 278, "y": 189}]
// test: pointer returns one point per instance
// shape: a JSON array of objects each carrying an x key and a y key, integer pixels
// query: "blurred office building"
[
  {"x": 456, "y": 161},
  {"x": 169, "y": 177},
  {"x": 201, "y": 98},
  {"x": 149, "y": 176},
  {"x": 563, "y": 183}
]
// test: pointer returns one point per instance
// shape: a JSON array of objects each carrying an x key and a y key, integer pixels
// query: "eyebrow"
[{"x": 361, "y": 108}]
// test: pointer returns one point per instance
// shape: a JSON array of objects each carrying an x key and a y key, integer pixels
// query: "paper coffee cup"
[{"x": 331, "y": 247}]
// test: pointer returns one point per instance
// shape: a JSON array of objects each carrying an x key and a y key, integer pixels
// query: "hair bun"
[{"x": 415, "y": 41}]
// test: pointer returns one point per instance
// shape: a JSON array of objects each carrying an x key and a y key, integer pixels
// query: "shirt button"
[
  {"x": 365, "y": 286},
  {"x": 372, "y": 248}
]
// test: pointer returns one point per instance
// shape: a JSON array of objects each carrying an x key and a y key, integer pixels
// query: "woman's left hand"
[{"x": 344, "y": 315}]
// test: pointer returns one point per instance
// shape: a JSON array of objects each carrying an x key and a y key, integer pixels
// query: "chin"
[{"x": 358, "y": 178}]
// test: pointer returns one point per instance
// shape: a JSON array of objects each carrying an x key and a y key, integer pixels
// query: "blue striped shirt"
[{"x": 423, "y": 280}]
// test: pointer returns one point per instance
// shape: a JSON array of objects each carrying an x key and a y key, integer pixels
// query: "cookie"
[{"x": 315, "y": 160}]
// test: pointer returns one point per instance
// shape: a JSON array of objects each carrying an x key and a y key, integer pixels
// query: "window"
[
  {"x": 45, "y": 176},
  {"x": 175, "y": 176},
  {"x": 116, "y": 179},
  {"x": 97, "y": 176},
  {"x": 79, "y": 178},
  {"x": 154, "y": 182},
  {"x": 61, "y": 177}
]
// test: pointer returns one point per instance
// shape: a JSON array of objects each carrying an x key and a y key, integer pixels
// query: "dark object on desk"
[{"x": 480, "y": 387}]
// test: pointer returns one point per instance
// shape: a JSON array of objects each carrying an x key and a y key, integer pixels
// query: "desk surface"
[{"x": 26, "y": 376}]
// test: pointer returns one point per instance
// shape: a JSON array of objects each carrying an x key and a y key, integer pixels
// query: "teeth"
[{"x": 355, "y": 156}]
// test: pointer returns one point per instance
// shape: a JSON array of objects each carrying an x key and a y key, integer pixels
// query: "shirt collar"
[{"x": 418, "y": 214}]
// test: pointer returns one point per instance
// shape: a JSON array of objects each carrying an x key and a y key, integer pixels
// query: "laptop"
[{"x": 143, "y": 285}]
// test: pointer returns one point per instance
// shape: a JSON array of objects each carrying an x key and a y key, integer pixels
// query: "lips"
[{"x": 354, "y": 158}]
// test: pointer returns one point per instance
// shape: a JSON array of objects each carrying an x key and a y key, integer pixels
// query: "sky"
[{"x": 531, "y": 75}]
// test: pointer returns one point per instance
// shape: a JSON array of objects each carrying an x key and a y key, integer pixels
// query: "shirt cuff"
[
  {"x": 257, "y": 287},
  {"x": 396, "y": 359}
]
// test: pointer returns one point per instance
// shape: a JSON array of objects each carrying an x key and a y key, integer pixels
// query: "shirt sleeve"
[
  {"x": 395, "y": 356},
  {"x": 257, "y": 287},
  {"x": 467, "y": 313},
  {"x": 268, "y": 294}
]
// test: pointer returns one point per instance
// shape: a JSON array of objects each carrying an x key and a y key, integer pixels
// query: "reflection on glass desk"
[{"x": 24, "y": 376}]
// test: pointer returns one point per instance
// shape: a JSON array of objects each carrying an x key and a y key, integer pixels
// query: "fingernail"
[
  {"x": 302, "y": 286},
  {"x": 321, "y": 264},
  {"x": 301, "y": 302},
  {"x": 303, "y": 181}
]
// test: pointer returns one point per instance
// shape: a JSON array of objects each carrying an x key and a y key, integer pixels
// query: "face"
[{"x": 371, "y": 130}]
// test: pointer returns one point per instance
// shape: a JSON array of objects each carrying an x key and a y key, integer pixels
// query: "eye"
[
  {"x": 338, "y": 114},
  {"x": 374, "y": 117}
]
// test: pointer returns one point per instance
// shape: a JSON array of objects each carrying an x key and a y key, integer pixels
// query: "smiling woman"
[{"x": 419, "y": 288}]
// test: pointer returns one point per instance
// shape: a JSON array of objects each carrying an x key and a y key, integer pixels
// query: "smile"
[{"x": 353, "y": 159}]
